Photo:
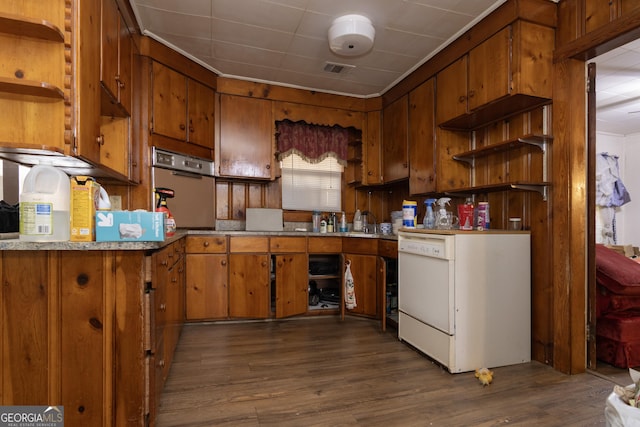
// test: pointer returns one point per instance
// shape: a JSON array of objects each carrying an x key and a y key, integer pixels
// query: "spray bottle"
[
  {"x": 429, "y": 218},
  {"x": 162, "y": 194},
  {"x": 442, "y": 222}
]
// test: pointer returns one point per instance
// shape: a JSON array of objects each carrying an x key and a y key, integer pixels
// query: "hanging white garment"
[
  {"x": 610, "y": 191},
  {"x": 610, "y": 194},
  {"x": 608, "y": 230},
  {"x": 349, "y": 289}
]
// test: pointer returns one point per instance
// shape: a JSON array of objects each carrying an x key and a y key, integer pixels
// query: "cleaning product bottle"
[
  {"x": 444, "y": 219},
  {"x": 429, "y": 218},
  {"x": 357, "y": 221},
  {"x": 343, "y": 223},
  {"x": 465, "y": 214},
  {"x": 162, "y": 195}
]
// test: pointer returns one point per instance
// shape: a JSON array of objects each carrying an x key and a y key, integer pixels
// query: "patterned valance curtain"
[{"x": 313, "y": 143}]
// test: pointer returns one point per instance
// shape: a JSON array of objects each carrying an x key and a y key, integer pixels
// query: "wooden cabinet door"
[
  {"x": 451, "y": 91},
  {"x": 249, "y": 295},
  {"x": 626, "y": 6},
  {"x": 86, "y": 102},
  {"x": 597, "y": 13},
  {"x": 395, "y": 119},
  {"x": 422, "y": 172},
  {"x": 125, "y": 66},
  {"x": 490, "y": 70},
  {"x": 115, "y": 150},
  {"x": 372, "y": 149},
  {"x": 201, "y": 106},
  {"x": 364, "y": 269},
  {"x": 115, "y": 60},
  {"x": 110, "y": 26},
  {"x": 206, "y": 290},
  {"x": 169, "y": 102},
  {"x": 292, "y": 284},
  {"x": 246, "y": 137}
]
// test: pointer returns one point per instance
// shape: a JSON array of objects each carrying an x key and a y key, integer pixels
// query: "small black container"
[{"x": 9, "y": 217}]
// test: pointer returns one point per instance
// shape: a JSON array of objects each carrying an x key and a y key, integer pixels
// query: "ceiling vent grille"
[{"x": 334, "y": 67}]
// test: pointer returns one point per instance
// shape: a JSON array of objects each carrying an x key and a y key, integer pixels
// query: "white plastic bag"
[
  {"x": 349, "y": 289},
  {"x": 617, "y": 412}
]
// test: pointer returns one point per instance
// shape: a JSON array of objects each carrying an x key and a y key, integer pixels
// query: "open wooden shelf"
[
  {"x": 43, "y": 90},
  {"x": 539, "y": 141},
  {"x": 540, "y": 187},
  {"x": 28, "y": 27}
]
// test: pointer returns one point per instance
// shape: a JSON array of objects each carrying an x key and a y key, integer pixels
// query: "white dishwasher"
[{"x": 464, "y": 297}]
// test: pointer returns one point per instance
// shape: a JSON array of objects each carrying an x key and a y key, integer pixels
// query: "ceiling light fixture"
[{"x": 351, "y": 35}]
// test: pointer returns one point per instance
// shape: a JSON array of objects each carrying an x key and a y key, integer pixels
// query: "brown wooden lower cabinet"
[
  {"x": 207, "y": 278},
  {"x": 249, "y": 295},
  {"x": 262, "y": 277},
  {"x": 79, "y": 330},
  {"x": 364, "y": 269}
]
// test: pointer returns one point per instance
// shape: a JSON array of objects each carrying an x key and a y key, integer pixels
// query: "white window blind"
[{"x": 309, "y": 186}]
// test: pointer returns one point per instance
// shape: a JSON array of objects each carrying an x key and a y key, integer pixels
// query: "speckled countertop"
[{"x": 19, "y": 245}]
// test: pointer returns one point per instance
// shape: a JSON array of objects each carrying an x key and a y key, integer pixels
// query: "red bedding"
[
  {"x": 619, "y": 274},
  {"x": 617, "y": 308},
  {"x": 618, "y": 339}
]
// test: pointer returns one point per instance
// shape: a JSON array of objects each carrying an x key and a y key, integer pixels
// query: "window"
[{"x": 309, "y": 186}]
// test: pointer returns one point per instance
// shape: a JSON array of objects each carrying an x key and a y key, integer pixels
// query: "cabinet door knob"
[
  {"x": 182, "y": 126},
  {"x": 461, "y": 98},
  {"x": 268, "y": 167},
  {"x": 472, "y": 93},
  {"x": 206, "y": 244},
  {"x": 223, "y": 262},
  {"x": 100, "y": 139}
]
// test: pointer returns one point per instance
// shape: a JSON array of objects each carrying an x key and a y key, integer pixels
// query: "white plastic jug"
[{"x": 44, "y": 205}]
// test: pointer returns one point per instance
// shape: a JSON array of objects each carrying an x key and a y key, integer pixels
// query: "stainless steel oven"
[{"x": 191, "y": 178}]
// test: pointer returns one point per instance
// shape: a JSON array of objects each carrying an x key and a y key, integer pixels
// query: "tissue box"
[
  {"x": 129, "y": 226},
  {"x": 85, "y": 193}
]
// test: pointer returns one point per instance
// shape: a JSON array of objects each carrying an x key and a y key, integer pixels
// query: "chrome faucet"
[{"x": 367, "y": 227}]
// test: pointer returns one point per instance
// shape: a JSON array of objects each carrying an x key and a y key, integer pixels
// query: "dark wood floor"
[{"x": 323, "y": 372}]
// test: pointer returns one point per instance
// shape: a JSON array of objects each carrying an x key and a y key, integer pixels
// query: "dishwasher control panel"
[{"x": 424, "y": 245}]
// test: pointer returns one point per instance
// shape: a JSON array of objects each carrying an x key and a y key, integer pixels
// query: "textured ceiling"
[
  {"x": 285, "y": 42},
  {"x": 618, "y": 90}
]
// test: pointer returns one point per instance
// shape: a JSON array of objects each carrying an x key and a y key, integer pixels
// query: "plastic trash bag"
[{"x": 619, "y": 413}]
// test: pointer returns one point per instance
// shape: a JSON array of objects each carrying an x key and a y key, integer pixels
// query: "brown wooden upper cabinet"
[
  {"x": 182, "y": 108},
  {"x": 201, "y": 113},
  {"x": 395, "y": 163},
  {"x": 508, "y": 72},
  {"x": 169, "y": 106},
  {"x": 422, "y": 167},
  {"x": 246, "y": 137},
  {"x": 115, "y": 61},
  {"x": 372, "y": 149},
  {"x": 601, "y": 12}
]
